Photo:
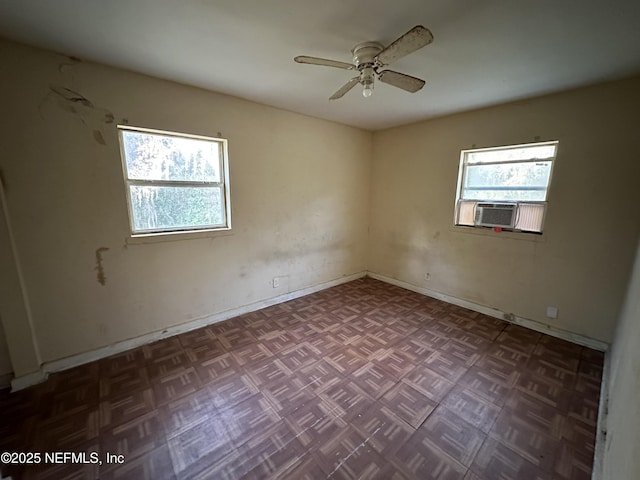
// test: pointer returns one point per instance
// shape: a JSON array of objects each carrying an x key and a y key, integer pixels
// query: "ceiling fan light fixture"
[{"x": 367, "y": 82}]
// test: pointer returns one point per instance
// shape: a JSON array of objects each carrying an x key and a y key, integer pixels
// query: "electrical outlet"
[
  {"x": 552, "y": 312},
  {"x": 276, "y": 282},
  {"x": 427, "y": 276}
]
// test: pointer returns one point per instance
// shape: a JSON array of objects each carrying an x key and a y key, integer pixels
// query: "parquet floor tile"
[{"x": 364, "y": 380}]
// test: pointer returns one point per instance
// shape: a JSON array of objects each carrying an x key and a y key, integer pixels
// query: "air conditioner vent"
[{"x": 496, "y": 214}]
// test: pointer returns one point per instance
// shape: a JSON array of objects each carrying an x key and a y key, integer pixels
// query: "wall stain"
[
  {"x": 77, "y": 104},
  {"x": 73, "y": 61},
  {"x": 97, "y": 136},
  {"x": 71, "y": 95},
  {"x": 99, "y": 268},
  {"x": 302, "y": 249}
]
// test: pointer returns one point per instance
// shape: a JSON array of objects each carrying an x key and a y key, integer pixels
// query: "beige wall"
[
  {"x": 580, "y": 264},
  {"x": 299, "y": 190},
  {"x": 5, "y": 360},
  {"x": 304, "y": 192},
  {"x": 621, "y": 451}
]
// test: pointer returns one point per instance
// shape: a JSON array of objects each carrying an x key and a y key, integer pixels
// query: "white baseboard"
[
  {"x": 123, "y": 346},
  {"x": 493, "y": 312},
  {"x": 28, "y": 380}
]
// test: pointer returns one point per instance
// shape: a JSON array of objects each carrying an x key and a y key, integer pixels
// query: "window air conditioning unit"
[{"x": 496, "y": 215}]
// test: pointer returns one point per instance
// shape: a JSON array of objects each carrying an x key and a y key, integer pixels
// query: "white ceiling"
[{"x": 484, "y": 52}]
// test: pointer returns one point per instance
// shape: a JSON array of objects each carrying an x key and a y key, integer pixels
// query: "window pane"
[
  {"x": 504, "y": 195},
  {"x": 169, "y": 208},
  {"x": 511, "y": 154},
  {"x": 509, "y": 182},
  {"x": 159, "y": 157}
]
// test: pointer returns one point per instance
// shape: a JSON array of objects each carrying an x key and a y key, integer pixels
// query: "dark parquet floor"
[{"x": 364, "y": 380}]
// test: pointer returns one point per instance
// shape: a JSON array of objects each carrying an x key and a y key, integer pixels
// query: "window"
[
  {"x": 175, "y": 182},
  {"x": 505, "y": 186}
]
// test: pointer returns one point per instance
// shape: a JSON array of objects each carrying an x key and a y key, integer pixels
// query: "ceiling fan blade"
[
  {"x": 413, "y": 40},
  {"x": 345, "y": 88},
  {"x": 324, "y": 62},
  {"x": 400, "y": 80}
]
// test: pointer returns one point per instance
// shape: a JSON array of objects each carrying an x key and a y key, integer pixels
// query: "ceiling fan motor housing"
[{"x": 364, "y": 54}]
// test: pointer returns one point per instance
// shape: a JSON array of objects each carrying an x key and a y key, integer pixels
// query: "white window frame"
[
  {"x": 462, "y": 169},
  {"x": 223, "y": 184}
]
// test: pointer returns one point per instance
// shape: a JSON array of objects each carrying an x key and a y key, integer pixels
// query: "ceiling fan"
[{"x": 369, "y": 58}]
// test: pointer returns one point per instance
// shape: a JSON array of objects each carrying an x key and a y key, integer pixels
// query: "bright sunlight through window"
[
  {"x": 175, "y": 182},
  {"x": 505, "y": 187}
]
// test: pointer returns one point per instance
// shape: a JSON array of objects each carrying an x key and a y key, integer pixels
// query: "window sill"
[
  {"x": 147, "y": 238},
  {"x": 489, "y": 232}
]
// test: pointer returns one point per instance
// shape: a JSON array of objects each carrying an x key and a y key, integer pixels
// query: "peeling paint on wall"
[
  {"x": 70, "y": 95},
  {"x": 75, "y": 103},
  {"x": 99, "y": 268}
]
